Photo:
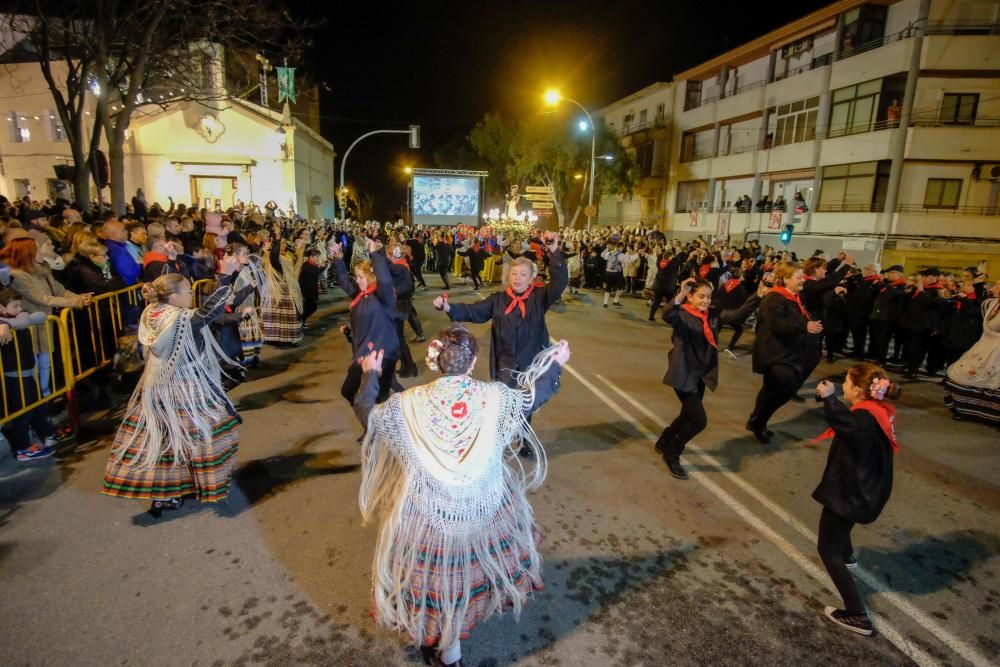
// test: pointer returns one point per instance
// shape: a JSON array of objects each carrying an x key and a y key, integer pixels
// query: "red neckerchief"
[
  {"x": 704, "y": 269},
  {"x": 401, "y": 262},
  {"x": 152, "y": 256},
  {"x": 362, "y": 294},
  {"x": 871, "y": 279},
  {"x": 706, "y": 329},
  {"x": 731, "y": 284},
  {"x": 794, "y": 298},
  {"x": 895, "y": 283},
  {"x": 518, "y": 301},
  {"x": 963, "y": 296},
  {"x": 926, "y": 287},
  {"x": 808, "y": 278},
  {"x": 884, "y": 413}
]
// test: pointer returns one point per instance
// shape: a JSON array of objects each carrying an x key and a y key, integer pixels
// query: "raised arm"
[{"x": 384, "y": 289}]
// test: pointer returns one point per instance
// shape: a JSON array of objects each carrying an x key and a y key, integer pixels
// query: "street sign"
[
  {"x": 534, "y": 197},
  {"x": 854, "y": 244},
  {"x": 538, "y": 189},
  {"x": 542, "y": 205}
]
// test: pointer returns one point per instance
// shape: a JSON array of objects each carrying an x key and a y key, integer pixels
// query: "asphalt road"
[{"x": 641, "y": 569}]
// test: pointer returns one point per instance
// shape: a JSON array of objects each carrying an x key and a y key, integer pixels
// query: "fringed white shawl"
[
  {"x": 254, "y": 273},
  {"x": 430, "y": 500},
  {"x": 177, "y": 378},
  {"x": 281, "y": 279}
]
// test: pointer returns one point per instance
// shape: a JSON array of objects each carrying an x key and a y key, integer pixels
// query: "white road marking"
[{"x": 956, "y": 644}]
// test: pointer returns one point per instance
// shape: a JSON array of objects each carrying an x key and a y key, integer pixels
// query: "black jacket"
[
  {"x": 813, "y": 290},
  {"x": 691, "y": 358},
  {"x": 444, "y": 255},
  {"x": 923, "y": 310},
  {"x": 514, "y": 341},
  {"x": 402, "y": 282},
  {"x": 82, "y": 275},
  {"x": 781, "y": 334},
  {"x": 857, "y": 481},
  {"x": 887, "y": 304},
  {"x": 372, "y": 317},
  {"x": 309, "y": 282},
  {"x": 417, "y": 250}
]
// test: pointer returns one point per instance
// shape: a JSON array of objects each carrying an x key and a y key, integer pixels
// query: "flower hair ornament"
[
  {"x": 433, "y": 352},
  {"x": 879, "y": 388}
]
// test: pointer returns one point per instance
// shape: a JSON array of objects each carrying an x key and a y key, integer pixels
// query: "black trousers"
[
  {"x": 476, "y": 282},
  {"x": 834, "y": 546},
  {"x": 352, "y": 383},
  {"x": 16, "y": 430},
  {"x": 737, "y": 334},
  {"x": 859, "y": 331},
  {"x": 405, "y": 356},
  {"x": 308, "y": 308},
  {"x": 780, "y": 384},
  {"x": 691, "y": 421},
  {"x": 443, "y": 272},
  {"x": 881, "y": 335},
  {"x": 658, "y": 296},
  {"x": 414, "y": 320},
  {"x": 418, "y": 275}
]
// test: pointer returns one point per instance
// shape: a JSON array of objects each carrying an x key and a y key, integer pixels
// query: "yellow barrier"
[
  {"x": 202, "y": 288},
  {"x": 60, "y": 377},
  {"x": 99, "y": 324}
]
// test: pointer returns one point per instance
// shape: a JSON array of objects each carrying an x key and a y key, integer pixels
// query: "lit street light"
[{"x": 552, "y": 98}]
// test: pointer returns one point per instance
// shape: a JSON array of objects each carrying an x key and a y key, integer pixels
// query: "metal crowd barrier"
[
  {"x": 94, "y": 329},
  {"x": 202, "y": 288},
  {"x": 14, "y": 402}
]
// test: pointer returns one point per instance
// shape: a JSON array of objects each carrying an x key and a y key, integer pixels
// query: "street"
[{"x": 640, "y": 569}]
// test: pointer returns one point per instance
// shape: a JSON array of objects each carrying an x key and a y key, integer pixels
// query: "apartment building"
[
  {"x": 882, "y": 116},
  {"x": 641, "y": 121}
]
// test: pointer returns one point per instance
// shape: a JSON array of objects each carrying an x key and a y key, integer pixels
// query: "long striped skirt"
[
  {"x": 426, "y": 586},
  {"x": 205, "y": 476},
  {"x": 252, "y": 338},
  {"x": 972, "y": 402},
  {"x": 281, "y": 323}
]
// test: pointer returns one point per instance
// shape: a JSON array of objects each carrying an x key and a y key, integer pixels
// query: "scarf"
[
  {"x": 731, "y": 284},
  {"x": 401, "y": 262},
  {"x": 518, "y": 301},
  {"x": 794, "y": 298},
  {"x": 705, "y": 327},
  {"x": 884, "y": 413},
  {"x": 932, "y": 286},
  {"x": 704, "y": 270},
  {"x": 362, "y": 294}
]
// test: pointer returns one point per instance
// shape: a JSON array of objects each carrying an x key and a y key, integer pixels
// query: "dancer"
[
  {"x": 781, "y": 346},
  {"x": 972, "y": 387},
  {"x": 857, "y": 481},
  {"x": 372, "y": 312},
  {"x": 280, "y": 316},
  {"x": 402, "y": 282},
  {"x": 251, "y": 274},
  {"x": 180, "y": 433},
  {"x": 458, "y": 539},
  {"x": 518, "y": 313},
  {"x": 694, "y": 361}
]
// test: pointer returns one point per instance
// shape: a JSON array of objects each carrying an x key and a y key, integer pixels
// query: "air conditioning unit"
[{"x": 986, "y": 172}]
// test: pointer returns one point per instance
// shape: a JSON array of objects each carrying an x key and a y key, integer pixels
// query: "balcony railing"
[
  {"x": 905, "y": 33},
  {"x": 849, "y": 207},
  {"x": 632, "y": 128},
  {"x": 962, "y": 28},
  {"x": 934, "y": 120},
  {"x": 957, "y": 210}
]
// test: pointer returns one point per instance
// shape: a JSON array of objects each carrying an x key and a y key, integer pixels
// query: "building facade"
[
  {"x": 883, "y": 117},
  {"x": 212, "y": 154}
]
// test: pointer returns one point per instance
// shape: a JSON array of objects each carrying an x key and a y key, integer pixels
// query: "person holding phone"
[{"x": 781, "y": 347}]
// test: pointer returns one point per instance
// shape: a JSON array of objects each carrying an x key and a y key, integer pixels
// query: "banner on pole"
[{"x": 286, "y": 84}]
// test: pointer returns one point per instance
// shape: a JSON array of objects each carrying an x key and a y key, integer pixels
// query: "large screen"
[{"x": 446, "y": 200}]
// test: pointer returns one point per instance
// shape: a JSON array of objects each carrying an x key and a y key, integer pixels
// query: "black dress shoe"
[
  {"x": 405, "y": 373},
  {"x": 760, "y": 432},
  {"x": 797, "y": 399},
  {"x": 676, "y": 469}
]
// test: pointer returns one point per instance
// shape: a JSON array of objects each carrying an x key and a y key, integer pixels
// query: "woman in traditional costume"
[
  {"x": 972, "y": 388},
  {"x": 180, "y": 432},
  {"x": 252, "y": 273},
  {"x": 458, "y": 539},
  {"x": 281, "y": 309}
]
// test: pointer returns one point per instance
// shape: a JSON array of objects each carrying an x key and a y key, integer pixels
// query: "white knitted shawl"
[{"x": 453, "y": 505}]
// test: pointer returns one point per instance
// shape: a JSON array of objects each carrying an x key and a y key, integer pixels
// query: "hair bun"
[{"x": 149, "y": 293}]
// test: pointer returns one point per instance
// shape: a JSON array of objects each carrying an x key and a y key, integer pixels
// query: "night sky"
[{"x": 443, "y": 65}]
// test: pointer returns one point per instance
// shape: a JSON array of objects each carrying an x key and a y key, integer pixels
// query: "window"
[
  {"x": 854, "y": 108},
  {"x": 692, "y": 95},
  {"x": 959, "y": 108},
  {"x": 661, "y": 110},
  {"x": 796, "y": 121},
  {"x": 18, "y": 123},
  {"x": 56, "y": 130},
  {"x": 942, "y": 192},
  {"x": 851, "y": 187},
  {"x": 691, "y": 195},
  {"x": 642, "y": 116}
]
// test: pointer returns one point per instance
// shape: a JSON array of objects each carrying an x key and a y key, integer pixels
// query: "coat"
[
  {"x": 515, "y": 340},
  {"x": 781, "y": 334},
  {"x": 691, "y": 359},
  {"x": 372, "y": 317},
  {"x": 857, "y": 480}
]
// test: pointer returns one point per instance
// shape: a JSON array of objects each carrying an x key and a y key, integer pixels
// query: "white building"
[
  {"x": 190, "y": 152},
  {"x": 809, "y": 108}
]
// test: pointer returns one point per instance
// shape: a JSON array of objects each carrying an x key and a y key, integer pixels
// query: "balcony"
[
  {"x": 976, "y": 141},
  {"x": 628, "y": 129},
  {"x": 817, "y": 62}
]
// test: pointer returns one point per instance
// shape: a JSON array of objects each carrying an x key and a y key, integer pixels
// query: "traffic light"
[
  {"x": 786, "y": 234},
  {"x": 414, "y": 136}
]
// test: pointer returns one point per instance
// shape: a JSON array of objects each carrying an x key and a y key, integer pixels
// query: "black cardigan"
[
  {"x": 692, "y": 359},
  {"x": 857, "y": 481},
  {"x": 782, "y": 337},
  {"x": 372, "y": 317}
]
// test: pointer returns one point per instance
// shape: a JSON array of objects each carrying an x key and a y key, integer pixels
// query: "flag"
[{"x": 286, "y": 84}]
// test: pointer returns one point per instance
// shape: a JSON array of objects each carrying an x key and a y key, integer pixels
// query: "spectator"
[
  {"x": 136, "y": 240},
  {"x": 116, "y": 237},
  {"x": 161, "y": 259},
  {"x": 139, "y": 206}
]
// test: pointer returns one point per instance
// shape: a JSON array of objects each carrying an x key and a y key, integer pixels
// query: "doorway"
[{"x": 216, "y": 193}]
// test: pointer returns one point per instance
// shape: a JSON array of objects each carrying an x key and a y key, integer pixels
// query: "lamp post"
[
  {"x": 409, "y": 199},
  {"x": 552, "y": 98},
  {"x": 414, "y": 133}
]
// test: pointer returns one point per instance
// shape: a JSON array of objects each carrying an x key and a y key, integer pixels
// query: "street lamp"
[
  {"x": 552, "y": 98},
  {"x": 409, "y": 199}
]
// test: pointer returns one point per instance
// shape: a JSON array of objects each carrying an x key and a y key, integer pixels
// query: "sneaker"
[
  {"x": 34, "y": 453},
  {"x": 605, "y": 305},
  {"x": 617, "y": 304},
  {"x": 851, "y": 561},
  {"x": 857, "y": 623}
]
